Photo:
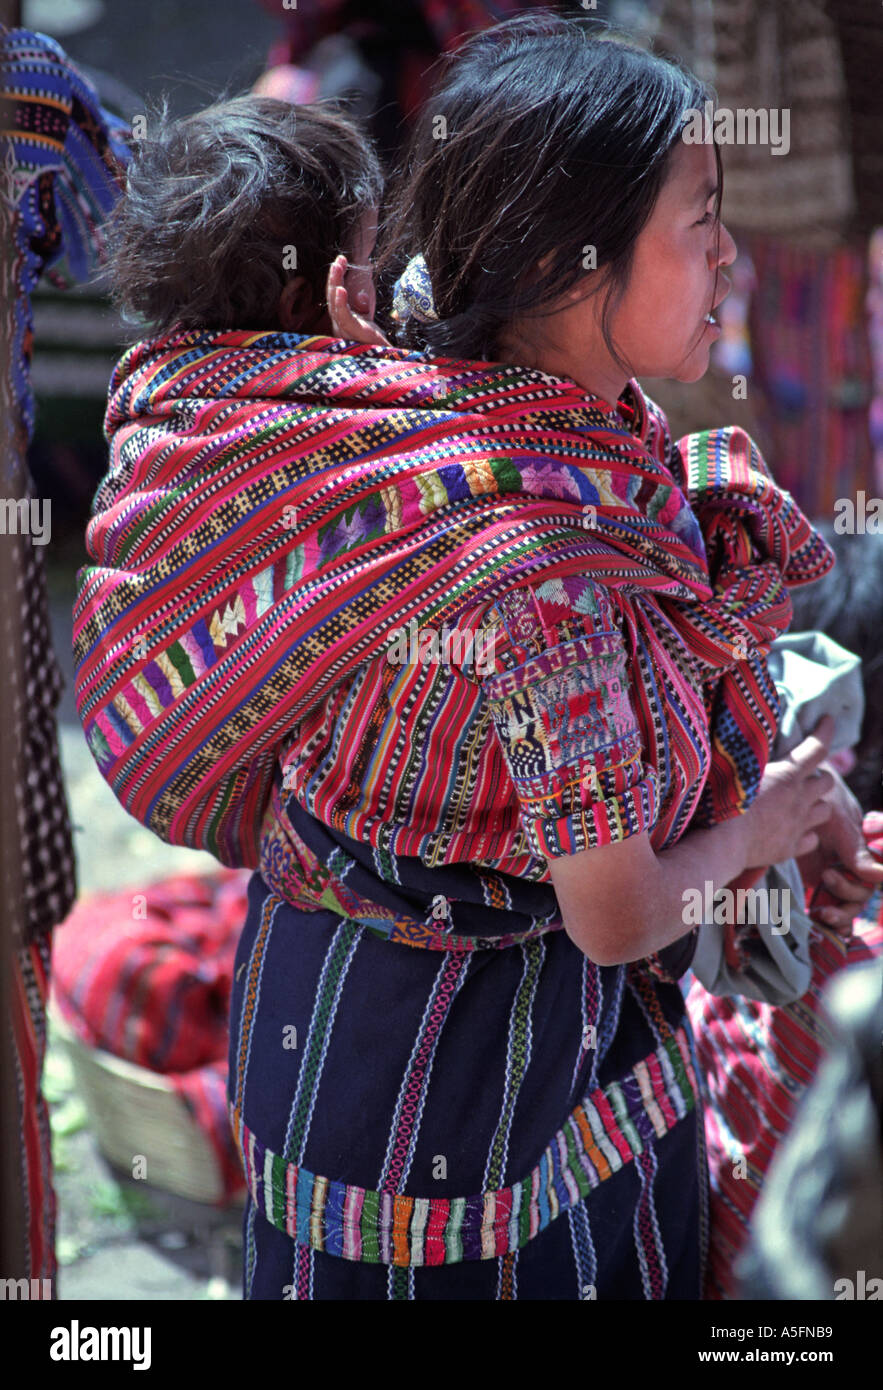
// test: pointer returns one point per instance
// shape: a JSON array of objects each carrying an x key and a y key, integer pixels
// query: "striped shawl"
[{"x": 276, "y": 507}]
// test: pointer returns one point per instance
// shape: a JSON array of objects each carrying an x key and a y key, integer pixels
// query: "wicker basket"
[{"x": 136, "y": 1112}]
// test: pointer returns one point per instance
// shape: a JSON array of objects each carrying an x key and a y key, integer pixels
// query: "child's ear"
[
  {"x": 296, "y": 305},
  {"x": 360, "y": 300}
]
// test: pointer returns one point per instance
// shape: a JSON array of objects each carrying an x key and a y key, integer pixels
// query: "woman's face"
[{"x": 659, "y": 324}]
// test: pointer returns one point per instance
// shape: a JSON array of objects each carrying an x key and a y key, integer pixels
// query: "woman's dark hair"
[
  {"x": 847, "y": 604},
  {"x": 544, "y": 137},
  {"x": 223, "y": 207}
]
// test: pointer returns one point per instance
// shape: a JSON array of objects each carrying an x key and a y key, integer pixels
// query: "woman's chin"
[{"x": 694, "y": 368}]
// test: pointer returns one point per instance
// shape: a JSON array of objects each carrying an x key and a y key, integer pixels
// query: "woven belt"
[{"x": 603, "y": 1134}]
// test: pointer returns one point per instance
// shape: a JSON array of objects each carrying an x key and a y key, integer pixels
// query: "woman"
[{"x": 459, "y": 1064}]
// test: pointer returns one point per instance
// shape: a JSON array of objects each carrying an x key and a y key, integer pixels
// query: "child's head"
[
  {"x": 232, "y": 217},
  {"x": 536, "y": 165}
]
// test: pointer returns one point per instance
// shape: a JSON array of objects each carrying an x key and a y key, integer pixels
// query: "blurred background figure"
[
  {"x": 61, "y": 170},
  {"x": 848, "y": 605},
  {"x": 380, "y": 50},
  {"x": 818, "y": 1227},
  {"x": 759, "y": 1058},
  {"x": 805, "y": 320},
  {"x": 803, "y": 219}
]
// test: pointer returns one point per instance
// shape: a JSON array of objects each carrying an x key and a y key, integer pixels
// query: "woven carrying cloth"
[
  {"x": 278, "y": 506},
  {"x": 277, "y": 512}
]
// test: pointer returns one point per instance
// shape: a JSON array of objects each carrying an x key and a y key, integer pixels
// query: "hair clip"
[{"x": 412, "y": 294}]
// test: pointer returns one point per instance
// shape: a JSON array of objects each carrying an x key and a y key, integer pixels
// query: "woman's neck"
[{"x": 596, "y": 376}]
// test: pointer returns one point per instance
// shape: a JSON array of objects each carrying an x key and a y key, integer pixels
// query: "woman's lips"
[{"x": 711, "y": 318}]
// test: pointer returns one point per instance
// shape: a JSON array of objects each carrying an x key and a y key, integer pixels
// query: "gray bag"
[{"x": 814, "y": 676}]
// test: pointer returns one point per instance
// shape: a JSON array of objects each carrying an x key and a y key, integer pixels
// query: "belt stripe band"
[{"x": 611, "y": 1126}]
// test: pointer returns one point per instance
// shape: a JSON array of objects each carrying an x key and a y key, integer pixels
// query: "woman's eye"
[{"x": 704, "y": 221}]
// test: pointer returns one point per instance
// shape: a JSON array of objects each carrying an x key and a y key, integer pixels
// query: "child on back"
[
  {"x": 234, "y": 687},
  {"x": 250, "y": 214}
]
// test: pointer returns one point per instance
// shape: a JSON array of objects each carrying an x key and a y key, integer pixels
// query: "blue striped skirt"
[{"x": 490, "y": 1123}]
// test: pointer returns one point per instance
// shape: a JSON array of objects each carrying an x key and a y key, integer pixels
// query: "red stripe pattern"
[{"x": 277, "y": 508}]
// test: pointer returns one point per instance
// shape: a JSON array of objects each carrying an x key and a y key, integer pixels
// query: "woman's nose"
[{"x": 727, "y": 249}]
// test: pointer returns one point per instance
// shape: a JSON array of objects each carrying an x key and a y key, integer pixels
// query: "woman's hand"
[
  {"x": 785, "y": 819},
  {"x": 346, "y": 323},
  {"x": 841, "y": 864}
]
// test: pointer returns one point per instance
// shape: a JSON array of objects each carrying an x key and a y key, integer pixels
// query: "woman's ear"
[{"x": 297, "y": 306}]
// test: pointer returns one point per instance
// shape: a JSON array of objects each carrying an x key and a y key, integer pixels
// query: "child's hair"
[
  {"x": 545, "y": 136},
  {"x": 847, "y": 604},
  {"x": 223, "y": 207}
]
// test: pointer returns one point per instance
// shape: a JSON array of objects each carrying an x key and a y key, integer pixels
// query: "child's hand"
[
  {"x": 786, "y": 818},
  {"x": 346, "y": 323},
  {"x": 842, "y": 870}
]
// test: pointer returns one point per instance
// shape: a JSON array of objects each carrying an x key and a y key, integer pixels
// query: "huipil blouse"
[
  {"x": 484, "y": 750},
  {"x": 449, "y": 1102}
]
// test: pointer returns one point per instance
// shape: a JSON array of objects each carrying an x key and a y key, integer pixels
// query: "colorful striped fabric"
[
  {"x": 62, "y": 165},
  {"x": 146, "y": 977},
  {"x": 497, "y": 1122},
  {"x": 278, "y": 508},
  {"x": 277, "y": 512},
  {"x": 757, "y": 1061},
  {"x": 59, "y": 178},
  {"x": 61, "y": 174},
  {"x": 609, "y": 1129},
  {"x": 809, "y": 328},
  {"x": 28, "y": 994}
]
